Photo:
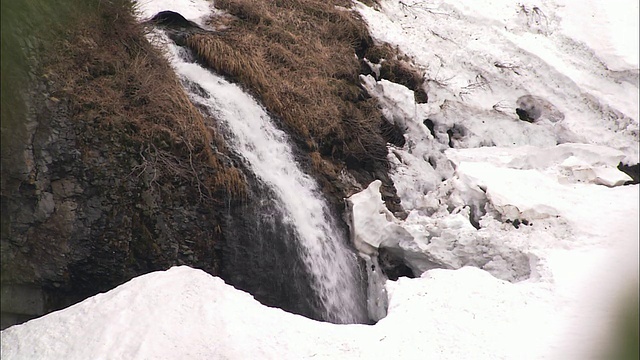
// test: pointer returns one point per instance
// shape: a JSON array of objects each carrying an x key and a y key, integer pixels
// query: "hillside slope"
[{"x": 108, "y": 171}]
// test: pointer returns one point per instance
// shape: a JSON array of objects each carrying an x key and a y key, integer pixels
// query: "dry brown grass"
[
  {"x": 297, "y": 56},
  {"x": 401, "y": 71},
  {"x": 371, "y": 3},
  {"x": 99, "y": 107},
  {"x": 398, "y": 68},
  {"x": 120, "y": 85}
]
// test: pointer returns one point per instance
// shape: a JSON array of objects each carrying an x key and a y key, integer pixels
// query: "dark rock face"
[
  {"x": 173, "y": 19},
  {"x": 632, "y": 170},
  {"x": 177, "y": 27},
  {"x": 260, "y": 256},
  {"x": 393, "y": 265},
  {"x": 531, "y": 108},
  {"x": 106, "y": 173},
  {"x": 524, "y": 115},
  {"x": 76, "y": 222},
  {"x": 25, "y": 302}
]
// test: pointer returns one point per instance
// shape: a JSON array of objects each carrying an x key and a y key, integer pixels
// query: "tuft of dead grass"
[
  {"x": 401, "y": 72},
  {"x": 298, "y": 57},
  {"x": 128, "y": 89},
  {"x": 398, "y": 68}
]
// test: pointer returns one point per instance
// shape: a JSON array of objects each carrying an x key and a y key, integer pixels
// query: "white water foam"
[{"x": 266, "y": 151}]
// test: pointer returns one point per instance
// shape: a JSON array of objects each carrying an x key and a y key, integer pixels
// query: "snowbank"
[
  {"x": 537, "y": 203},
  {"x": 184, "y": 313}
]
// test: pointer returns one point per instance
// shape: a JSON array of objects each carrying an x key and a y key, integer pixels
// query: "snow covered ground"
[
  {"x": 525, "y": 247},
  {"x": 538, "y": 204},
  {"x": 184, "y": 313}
]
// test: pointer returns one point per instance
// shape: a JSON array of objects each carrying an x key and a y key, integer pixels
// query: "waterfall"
[{"x": 265, "y": 150}]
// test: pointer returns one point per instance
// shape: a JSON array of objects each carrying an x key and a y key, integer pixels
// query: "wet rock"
[
  {"x": 44, "y": 207},
  {"x": 20, "y": 303},
  {"x": 532, "y": 108},
  {"x": 178, "y": 28},
  {"x": 74, "y": 222},
  {"x": 632, "y": 170},
  {"x": 259, "y": 255},
  {"x": 172, "y": 19},
  {"x": 64, "y": 188},
  {"x": 393, "y": 265},
  {"x": 525, "y": 115}
]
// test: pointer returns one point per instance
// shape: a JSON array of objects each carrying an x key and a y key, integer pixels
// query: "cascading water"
[{"x": 265, "y": 150}]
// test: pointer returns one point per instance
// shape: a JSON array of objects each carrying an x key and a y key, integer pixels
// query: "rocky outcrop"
[
  {"x": 111, "y": 173},
  {"x": 177, "y": 27},
  {"x": 532, "y": 108},
  {"x": 80, "y": 212},
  {"x": 632, "y": 170},
  {"x": 261, "y": 255},
  {"x": 107, "y": 174}
]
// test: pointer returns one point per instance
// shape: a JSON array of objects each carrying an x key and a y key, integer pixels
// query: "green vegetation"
[{"x": 28, "y": 28}]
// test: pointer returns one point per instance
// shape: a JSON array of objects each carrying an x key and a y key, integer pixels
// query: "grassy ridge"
[
  {"x": 108, "y": 170},
  {"x": 298, "y": 57},
  {"x": 94, "y": 55}
]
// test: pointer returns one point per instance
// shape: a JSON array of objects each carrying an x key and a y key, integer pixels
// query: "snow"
[
  {"x": 185, "y": 313},
  {"x": 523, "y": 236},
  {"x": 609, "y": 29},
  {"x": 480, "y": 57},
  {"x": 540, "y": 205},
  {"x": 369, "y": 214},
  {"x": 181, "y": 313},
  {"x": 195, "y": 10}
]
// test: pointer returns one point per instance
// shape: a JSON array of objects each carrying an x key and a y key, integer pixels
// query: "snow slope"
[
  {"x": 184, "y": 313},
  {"x": 539, "y": 204},
  {"x": 567, "y": 268},
  {"x": 479, "y": 62},
  {"x": 524, "y": 247},
  {"x": 480, "y": 57}
]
